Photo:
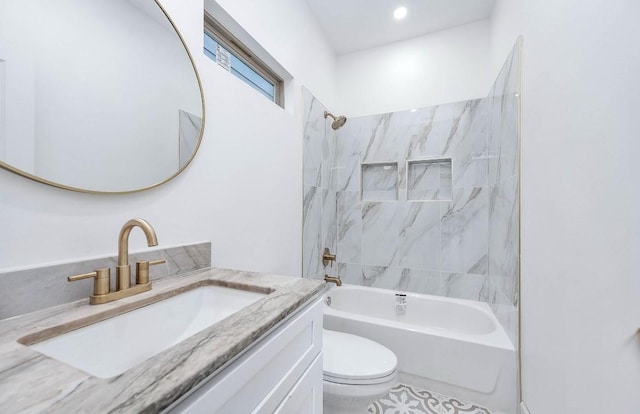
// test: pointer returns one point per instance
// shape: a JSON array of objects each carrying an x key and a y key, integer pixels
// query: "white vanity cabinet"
[{"x": 282, "y": 373}]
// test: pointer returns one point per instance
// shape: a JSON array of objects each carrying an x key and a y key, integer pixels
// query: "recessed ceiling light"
[{"x": 400, "y": 13}]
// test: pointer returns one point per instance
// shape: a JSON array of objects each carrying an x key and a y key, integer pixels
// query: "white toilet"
[{"x": 357, "y": 371}]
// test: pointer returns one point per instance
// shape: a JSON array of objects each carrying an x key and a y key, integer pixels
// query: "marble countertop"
[{"x": 33, "y": 383}]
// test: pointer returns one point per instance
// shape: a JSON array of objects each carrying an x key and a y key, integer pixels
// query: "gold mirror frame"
[{"x": 180, "y": 170}]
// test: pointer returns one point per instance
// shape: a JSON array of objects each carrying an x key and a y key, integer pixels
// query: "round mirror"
[{"x": 96, "y": 95}]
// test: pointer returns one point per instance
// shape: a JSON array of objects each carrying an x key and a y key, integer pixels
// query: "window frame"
[{"x": 227, "y": 40}]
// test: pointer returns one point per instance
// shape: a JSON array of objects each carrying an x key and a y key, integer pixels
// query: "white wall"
[
  {"x": 447, "y": 66},
  {"x": 506, "y": 24},
  {"x": 580, "y": 201},
  {"x": 243, "y": 190}
]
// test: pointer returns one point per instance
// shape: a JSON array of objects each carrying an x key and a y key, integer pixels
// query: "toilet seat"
[{"x": 352, "y": 359}]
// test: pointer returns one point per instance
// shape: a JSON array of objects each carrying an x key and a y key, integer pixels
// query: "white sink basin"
[{"x": 110, "y": 347}]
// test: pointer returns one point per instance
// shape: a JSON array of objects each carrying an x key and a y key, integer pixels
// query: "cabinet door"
[
  {"x": 263, "y": 377},
  {"x": 306, "y": 395}
]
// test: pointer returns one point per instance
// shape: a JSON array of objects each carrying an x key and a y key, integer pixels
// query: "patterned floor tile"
[
  {"x": 454, "y": 406},
  {"x": 404, "y": 399}
]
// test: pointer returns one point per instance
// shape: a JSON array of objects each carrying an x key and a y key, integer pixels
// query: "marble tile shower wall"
[
  {"x": 319, "y": 194},
  {"x": 457, "y": 235},
  {"x": 438, "y": 245}
]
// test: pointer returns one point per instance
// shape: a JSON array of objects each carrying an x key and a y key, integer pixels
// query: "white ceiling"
[{"x": 352, "y": 25}]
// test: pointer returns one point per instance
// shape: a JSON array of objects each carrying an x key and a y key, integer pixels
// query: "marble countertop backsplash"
[
  {"x": 33, "y": 383},
  {"x": 29, "y": 290}
]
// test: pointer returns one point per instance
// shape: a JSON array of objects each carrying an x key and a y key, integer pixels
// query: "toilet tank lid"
[{"x": 354, "y": 357}]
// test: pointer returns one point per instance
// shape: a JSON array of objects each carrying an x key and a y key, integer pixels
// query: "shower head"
[{"x": 338, "y": 122}]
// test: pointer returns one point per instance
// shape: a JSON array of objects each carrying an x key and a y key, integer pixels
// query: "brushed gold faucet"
[
  {"x": 123, "y": 271},
  {"x": 102, "y": 277}
]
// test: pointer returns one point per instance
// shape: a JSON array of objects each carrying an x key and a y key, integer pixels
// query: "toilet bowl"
[{"x": 356, "y": 372}]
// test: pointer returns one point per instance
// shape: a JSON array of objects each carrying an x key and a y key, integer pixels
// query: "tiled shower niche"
[
  {"x": 379, "y": 181},
  {"x": 429, "y": 180}
]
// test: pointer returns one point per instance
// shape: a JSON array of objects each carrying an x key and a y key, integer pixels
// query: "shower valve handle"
[{"x": 327, "y": 257}]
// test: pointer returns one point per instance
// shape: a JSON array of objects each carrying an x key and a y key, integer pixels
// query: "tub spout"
[{"x": 332, "y": 279}]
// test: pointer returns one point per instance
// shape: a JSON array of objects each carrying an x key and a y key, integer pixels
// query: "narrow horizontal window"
[{"x": 223, "y": 48}]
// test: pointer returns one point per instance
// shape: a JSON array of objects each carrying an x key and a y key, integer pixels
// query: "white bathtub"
[{"x": 451, "y": 346}]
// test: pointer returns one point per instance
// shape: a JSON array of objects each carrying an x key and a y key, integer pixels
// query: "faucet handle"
[
  {"x": 142, "y": 270},
  {"x": 101, "y": 282},
  {"x": 327, "y": 257}
]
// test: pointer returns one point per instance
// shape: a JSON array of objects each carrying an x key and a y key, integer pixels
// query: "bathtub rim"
[{"x": 497, "y": 338}]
